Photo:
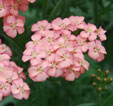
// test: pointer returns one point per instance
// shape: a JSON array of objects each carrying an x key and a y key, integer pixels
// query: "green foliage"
[{"x": 58, "y": 92}]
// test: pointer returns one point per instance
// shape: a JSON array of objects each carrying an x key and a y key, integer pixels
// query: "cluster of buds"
[
  {"x": 13, "y": 22},
  {"x": 56, "y": 52},
  {"x": 11, "y": 76},
  {"x": 101, "y": 80}
]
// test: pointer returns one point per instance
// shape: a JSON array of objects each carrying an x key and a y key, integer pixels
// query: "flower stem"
[
  {"x": 56, "y": 8},
  {"x": 95, "y": 11},
  {"x": 45, "y": 5},
  {"x": 108, "y": 100},
  {"x": 99, "y": 99}
]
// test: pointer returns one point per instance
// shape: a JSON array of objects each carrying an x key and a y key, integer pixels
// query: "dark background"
[{"x": 58, "y": 92}]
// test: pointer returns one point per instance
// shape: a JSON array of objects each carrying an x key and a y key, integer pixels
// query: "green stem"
[
  {"x": 95, "y": 11},
  {"x": 99, "y": 99},
  {"x": 45, "y": 5},
  {"x": 56, "y": 8},
  {"x": 108, "y": 100}
]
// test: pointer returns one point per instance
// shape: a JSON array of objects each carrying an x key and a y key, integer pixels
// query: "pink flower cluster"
[
  {"x": 11, "y": 76},
  {"x": 13, "y": 22},
  {"x": 56, "y": 52}
]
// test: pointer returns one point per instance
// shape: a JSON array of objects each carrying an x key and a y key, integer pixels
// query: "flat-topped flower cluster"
[
  {"x": 57, "y": 51},
  {"x": 13, "y": 22},
  {"x": 11, "y": 76}
]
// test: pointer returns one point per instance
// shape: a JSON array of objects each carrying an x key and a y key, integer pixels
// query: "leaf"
[{"x": 87, "y": 104}]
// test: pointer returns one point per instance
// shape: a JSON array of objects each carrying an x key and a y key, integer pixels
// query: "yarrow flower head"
[
  {"x": 13, "y": 22},
  {"x": 55, "y": 51},
  {"x": 11, "y": 76}
]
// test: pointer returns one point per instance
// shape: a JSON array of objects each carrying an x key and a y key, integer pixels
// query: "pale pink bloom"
[
  {"x": 84, "y": 35},
  {"x": 51, "y": 36},
  {"x": 4, "y": 59},
  {"x": 82, "y": 44},
  {"x": 41, "y": 26},
  {"x": 60, "y": 24},
  {"x": 101, "y": 33},
  {"x": 34, "y": 55},
  {"x": 36, "y": 38},
  {"x": 38, "y": 73},
  {"x": 4, "y": 8},
  {"x": 18, "y": 70},
  {"x": 9, "y": 75},
  {"x": 13, "y": 25},
  {"x": 96, "y": 50},
  {"x": 68, "y": 36},
  {"x": 70, "y": 76},
  {"x": 63, "y": 58},
  {"x": 31, "y": 1},
  {"x": 90, "y": 30},
  {"x": 55, "y": 50},
  {"x": 5, "y": 50},
  {"x": 2, "y": 68},
  {"x": 71, "y": 73},
  {"x": 63, "y": 43},
  {"x": 1, "y": 96},
  {"x": 5, "y": 88},
  {"x": 20, "y": 89},
  {"x": 53, "y": 68},
  {"x": 81, "y": 63},
  {"x": 76, "y": 22}
]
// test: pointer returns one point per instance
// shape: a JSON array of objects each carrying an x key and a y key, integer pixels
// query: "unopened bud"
[
  {"x": 98, "y": 78},
  {"x": 99, "y": 70},
  {"x": 94, "y": 83},
  {"x": 105, "y": 79},
  {"x": 111, "y": 79},
  {"x": 107, "y": 71},
  {"x": 93, "y": 75},
  {"x": 99, "y": 89}
]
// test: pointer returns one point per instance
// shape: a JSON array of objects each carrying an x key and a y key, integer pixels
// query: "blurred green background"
[{"x": 58, "y": 92}]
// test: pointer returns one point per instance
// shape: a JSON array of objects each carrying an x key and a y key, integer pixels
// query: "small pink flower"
[
  {"x": 5, "y": 88},
  {"x": 101, "y": 33},
  {"x": 76, "y": 22},
  {"x": 5, "y": 50},
  {"x": 37, "y": 73},
  {"x": 34, "y": 55},
  {"x": 18, "y": 70},
  {"x": 82, "y": 44},
  {"x": 63, "y": 58},
  {"x": 41, "y": 26},
  {"x": 81, "y": 62},
  {"x": 96, "y": 50},
  {"x": 90, "y": 30},
  {"x": 13, "y": 25},
  {"x": 20, "y": 89},
  {"x": 59, "y": 24},
  {"x": 4, "y": 59},
  {"x": 9, "y": 75}
]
